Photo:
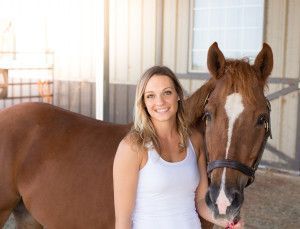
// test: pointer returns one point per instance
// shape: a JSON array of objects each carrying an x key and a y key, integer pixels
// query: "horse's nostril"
[
  {"x": 237, "y": 198},
  {"x": 212, "y": 194},
  {"x": 208, "y": 198}
]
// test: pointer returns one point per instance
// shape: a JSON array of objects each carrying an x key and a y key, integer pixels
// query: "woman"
[{"x": 159, "y": 165}]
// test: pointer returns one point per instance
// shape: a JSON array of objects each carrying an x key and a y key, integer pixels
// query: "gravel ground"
[{"x": 271, "y": 202}]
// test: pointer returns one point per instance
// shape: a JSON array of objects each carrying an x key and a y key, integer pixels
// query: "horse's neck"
[{"x": 194, "y": 105}]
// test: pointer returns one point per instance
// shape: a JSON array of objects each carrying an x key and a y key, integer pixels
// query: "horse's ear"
[
  {"x": 215, "y": 61},
  {"x": 264, "y": 62}
]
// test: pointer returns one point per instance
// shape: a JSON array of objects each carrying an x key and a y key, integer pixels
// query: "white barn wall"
[
  {"x": 119, "y": 40},
  {"x": 290, "y": 102},
  {"x": 275, "y": 37},
  {"x": 169, "y": 33},
  {"x": 182, "y": 44},
  {"x": 132, "y": 39},
  {"x": 283, "y": 33},
  {"x": 149, "y": 36}
]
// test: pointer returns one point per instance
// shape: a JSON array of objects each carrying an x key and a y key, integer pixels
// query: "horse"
[
  {"x": 234, "y": 123},
  {"x": 56, "y": 165}
]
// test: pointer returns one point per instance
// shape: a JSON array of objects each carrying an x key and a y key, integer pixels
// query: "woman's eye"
[
  {"x": 168, "y": 92},
  {"x": 149, "y": 96},
  {"x": 262, "y": 119}
]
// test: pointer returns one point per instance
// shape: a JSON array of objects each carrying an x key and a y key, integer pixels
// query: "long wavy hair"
[{"x": 143, "y": 131}]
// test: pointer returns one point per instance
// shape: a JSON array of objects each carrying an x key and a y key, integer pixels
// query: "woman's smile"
[{"x": 162, "y": 110}]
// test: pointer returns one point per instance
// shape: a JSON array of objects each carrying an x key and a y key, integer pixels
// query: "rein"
[{"x": 248, "y": 171}]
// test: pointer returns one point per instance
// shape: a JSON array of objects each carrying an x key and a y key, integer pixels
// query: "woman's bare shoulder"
[
  {"x": 129, "y": 148},
  {"x": 128, "y": 143}
]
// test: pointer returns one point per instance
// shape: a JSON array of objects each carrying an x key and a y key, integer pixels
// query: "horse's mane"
[
  {"x": 194, "y": 105},
  {"x": 238, "y": 76}
]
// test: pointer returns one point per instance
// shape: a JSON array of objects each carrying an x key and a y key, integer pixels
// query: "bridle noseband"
[{"x": 227, "y": 163}]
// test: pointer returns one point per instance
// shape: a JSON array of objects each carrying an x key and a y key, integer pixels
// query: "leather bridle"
[{"x": 247, "y": 170}]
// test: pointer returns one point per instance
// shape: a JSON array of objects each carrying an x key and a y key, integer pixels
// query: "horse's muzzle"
[{"x": 224, "y": 203}]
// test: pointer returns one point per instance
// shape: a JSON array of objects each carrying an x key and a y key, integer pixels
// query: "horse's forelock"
[{"x": 241, "y": 78}]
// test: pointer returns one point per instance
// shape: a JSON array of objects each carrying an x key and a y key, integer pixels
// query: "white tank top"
[{"x": 166, "y": 193}]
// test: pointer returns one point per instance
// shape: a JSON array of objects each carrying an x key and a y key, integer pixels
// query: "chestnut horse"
[{"x": 56, "y": 166}]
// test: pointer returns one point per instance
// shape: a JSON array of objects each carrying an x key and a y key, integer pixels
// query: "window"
[{"x": 237, "y": 26}]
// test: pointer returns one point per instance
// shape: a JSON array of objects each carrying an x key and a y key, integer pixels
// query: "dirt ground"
[{"x": 271, "y": 202}]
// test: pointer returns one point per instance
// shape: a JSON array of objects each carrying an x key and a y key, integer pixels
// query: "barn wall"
[
  {"x": 75, "y": 96},
  {"x": 53, "y": 42},
  {"x": 282, "y": 32},
  {"x": 148, "y": 32}
]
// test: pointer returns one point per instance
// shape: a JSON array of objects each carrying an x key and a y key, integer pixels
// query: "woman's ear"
[
  {"x": 215, "y": 61},
  {"x": 264, "y": 63}
]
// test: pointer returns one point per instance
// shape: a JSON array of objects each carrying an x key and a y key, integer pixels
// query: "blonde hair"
[{"x": 143, "y": 131}]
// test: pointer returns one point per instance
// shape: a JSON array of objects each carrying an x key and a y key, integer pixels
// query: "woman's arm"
[
  {"x": 125, "y": 177},
  {"x": 202, "y": 208}
]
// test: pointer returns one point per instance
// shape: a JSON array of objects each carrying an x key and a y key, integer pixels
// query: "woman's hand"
[{"x": 238, "y": 225}]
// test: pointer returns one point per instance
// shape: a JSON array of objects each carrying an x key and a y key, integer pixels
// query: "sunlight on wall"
[{"x": 69, "y": 28}]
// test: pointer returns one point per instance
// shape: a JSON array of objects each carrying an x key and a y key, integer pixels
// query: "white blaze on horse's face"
[{"x": 233, "y": 107}]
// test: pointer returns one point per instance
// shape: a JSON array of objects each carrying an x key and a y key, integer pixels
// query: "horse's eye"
[
  {"x": 262, "y": 119},
  {"x": 207, "y": 116}
]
